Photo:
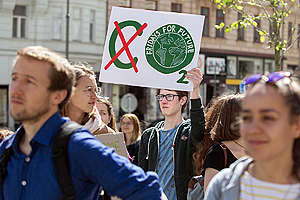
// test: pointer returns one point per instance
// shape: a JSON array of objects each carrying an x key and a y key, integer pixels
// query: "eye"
[
  {"x": 268, "y": 118},
  {"x": 246, "y": 118}
]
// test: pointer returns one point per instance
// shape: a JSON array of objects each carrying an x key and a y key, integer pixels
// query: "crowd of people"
[{"x": 240, "y": 146}]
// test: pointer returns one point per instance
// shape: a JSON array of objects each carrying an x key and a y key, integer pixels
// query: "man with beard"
[{"x": 41, "y": 83}]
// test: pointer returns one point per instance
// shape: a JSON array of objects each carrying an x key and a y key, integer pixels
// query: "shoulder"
[{"x": 215, "y": 151}]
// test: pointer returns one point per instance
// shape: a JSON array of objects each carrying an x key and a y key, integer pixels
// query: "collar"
[{"x": 44, "y": 134}]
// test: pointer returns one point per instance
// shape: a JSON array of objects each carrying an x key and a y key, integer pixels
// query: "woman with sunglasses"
[
  {"x": 270, "y": 128},
  {"x": 81, "y": 106}
]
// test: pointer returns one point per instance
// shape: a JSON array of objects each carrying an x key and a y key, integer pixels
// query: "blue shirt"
[
  {"x": 165, "y": 168},
  {"x": 92, "y": 165}
]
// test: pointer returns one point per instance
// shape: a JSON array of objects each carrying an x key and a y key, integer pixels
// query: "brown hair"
[
  {"x": 181, "y": 94},
  {"x": 80, "y": 70},
  {"x": 4, "y": 132},
  {"x": 136, "y": 125},
  {"x": 112, "y": 124},
  {"x": 229, "y": 111},
  {"x": 290, "y": 91},
  {"x": 61, "y": 74},
  {"x": 221, "y": 114}
]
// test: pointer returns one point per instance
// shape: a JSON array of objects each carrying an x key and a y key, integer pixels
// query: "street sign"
[{"x": 129, "y": 103}]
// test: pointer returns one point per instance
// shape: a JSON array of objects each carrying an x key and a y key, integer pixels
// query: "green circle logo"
[{"x": 169, "y": 48}]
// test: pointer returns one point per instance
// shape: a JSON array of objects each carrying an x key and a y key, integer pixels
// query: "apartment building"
[{"x": 43, "y": 22}]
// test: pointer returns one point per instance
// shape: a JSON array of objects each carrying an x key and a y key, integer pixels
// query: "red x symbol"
[{"x": 125, "y": 46}]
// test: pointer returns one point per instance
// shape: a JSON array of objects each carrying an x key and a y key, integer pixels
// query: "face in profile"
[
  {"x": 29, "y": 97},
  {"x": 103, "y": 111},
  {"x": 267, "y": 128},
  {"x": 84, "y": 98}
]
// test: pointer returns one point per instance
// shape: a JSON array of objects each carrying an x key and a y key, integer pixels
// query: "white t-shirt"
[{"x": 255, "y": 189}]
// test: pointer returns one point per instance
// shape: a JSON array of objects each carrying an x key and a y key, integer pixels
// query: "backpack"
[
  {"x": 59, "y": 158},
  {"x": 196, "y": 184}
]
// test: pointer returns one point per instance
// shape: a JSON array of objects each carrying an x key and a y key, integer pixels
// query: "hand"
[{"x": 196, "y": 77}]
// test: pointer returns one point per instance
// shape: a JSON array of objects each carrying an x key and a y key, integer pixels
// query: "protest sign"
[
  {"x": 115, "y": 141},
  {"x": 151, "y": 48}
]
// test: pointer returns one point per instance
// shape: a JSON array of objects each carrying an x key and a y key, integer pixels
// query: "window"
[
  {"x": 219, "y": 20},
  {"x": 176, "y": 7},
  {"x": 19, "y": 22},
  {"x": 241, "y": 34},
  {"x": 290, "y": 33},
  {"x": 57, "y": 24},
  {"x": 205, "y": 12},
  {"x": 298, "y": 35},
  {"x": 92, "y": 25},
  {"x": 256, "y": 37},
  {"x": 75, "y": 25},
  {"x": 4, "y": 106}
]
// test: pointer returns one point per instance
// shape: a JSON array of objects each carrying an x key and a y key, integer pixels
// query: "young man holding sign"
[{"x": 167, "y": 148}]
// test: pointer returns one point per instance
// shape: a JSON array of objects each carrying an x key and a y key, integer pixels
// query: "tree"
[{"x": 275, "y": 12}]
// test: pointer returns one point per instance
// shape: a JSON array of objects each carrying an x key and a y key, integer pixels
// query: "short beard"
[{"x": 32, "y": 118}]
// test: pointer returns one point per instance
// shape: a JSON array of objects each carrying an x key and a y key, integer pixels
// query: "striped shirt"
[{"x": 255, "y": 189}]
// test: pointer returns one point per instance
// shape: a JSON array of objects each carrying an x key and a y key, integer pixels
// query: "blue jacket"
[
  {"x": 226, "y": 184},
  {"x": 92, "y": 165}
]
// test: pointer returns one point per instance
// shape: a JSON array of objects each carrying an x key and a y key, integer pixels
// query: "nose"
[{"x": 251, "y": 128}]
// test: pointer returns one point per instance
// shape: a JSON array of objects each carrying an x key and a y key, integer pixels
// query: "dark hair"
[
  {"x": 181, "y": 94},
  {"x": 136, "y": 125},
  {"x": 61, "y": 74},
  {"x": 289, "y": 89},
  {"x": 112, "y": 124}
]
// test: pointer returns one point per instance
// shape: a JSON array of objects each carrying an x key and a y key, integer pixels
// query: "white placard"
[
  {"x": 167, "y": 47},
  {"x": 115, "y": 141}
]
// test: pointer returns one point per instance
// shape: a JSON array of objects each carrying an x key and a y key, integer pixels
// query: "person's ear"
[
  {"x": 183, "y": 100},
  {"x": 58, "y": 96},
  {"x": 296, "y": 127}
]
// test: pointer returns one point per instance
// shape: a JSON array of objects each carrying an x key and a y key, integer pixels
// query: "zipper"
[{"x": 173, "y": 147}]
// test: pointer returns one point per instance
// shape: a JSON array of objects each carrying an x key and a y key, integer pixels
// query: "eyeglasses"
[
  {"x": 270, "y": 78},
  {"x": 169, "y": 97}
]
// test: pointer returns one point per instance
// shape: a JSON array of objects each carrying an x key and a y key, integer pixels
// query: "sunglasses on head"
[{"x": 270, "y": 78}]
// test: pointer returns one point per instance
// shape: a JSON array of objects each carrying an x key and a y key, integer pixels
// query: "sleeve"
[
  {"x": 142, "y": 155},
  {"x": 197, "y": 121},
  {"x": 118, "y": 176},
  {"x": 214, "y": 158}
]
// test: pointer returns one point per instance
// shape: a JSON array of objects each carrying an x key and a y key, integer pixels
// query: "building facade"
[
  {"x": 43, "y": 22},
  {"x": 226, "y": 58}
]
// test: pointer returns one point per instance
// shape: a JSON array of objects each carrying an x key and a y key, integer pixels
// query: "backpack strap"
[
  {"x": 3, "y": 164},
  {"x": 225, "y": 154},
  {"x": 61, "y": 161}
]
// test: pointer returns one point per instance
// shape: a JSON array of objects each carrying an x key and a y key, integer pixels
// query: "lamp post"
[{"x": 67, "y": 28}]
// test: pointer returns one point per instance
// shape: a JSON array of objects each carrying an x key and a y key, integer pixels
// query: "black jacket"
[{"x": 188, "y": 134}]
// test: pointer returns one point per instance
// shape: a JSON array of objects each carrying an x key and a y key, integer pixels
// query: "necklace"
[{"x": 250, "y": 177}]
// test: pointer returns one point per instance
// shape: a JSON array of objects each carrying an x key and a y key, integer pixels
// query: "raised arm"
[{"x": 197, "y": 109}]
